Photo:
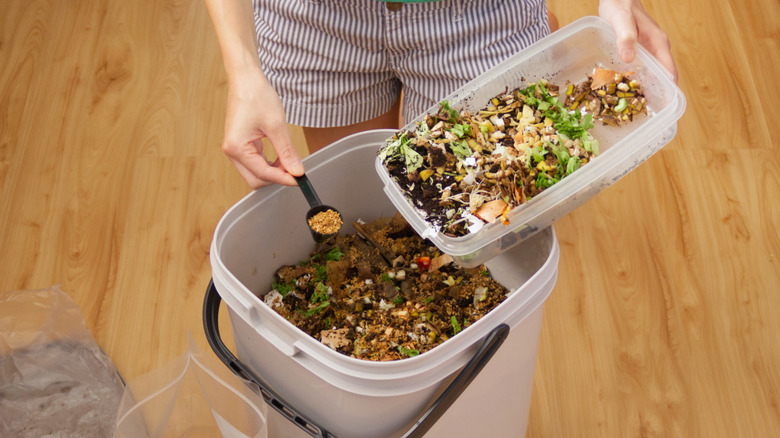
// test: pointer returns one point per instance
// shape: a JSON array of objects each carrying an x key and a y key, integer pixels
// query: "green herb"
[
  {"x": 408, "y": 351},
  {"x": 561, "y": 153},
  {"x": 530, "y": 93},
  {"x": 572, "y": 165},
  {"x": 320, "y": 293},
  {"x": 455, "y": 325},
  {"x": 570, "y": 125},
  {"x": 423, "y": 128},
  {"x": 328, "y": 323},
  {"x": 427, "y": 300},
  {"x": 591, "y": 144},
  {"x": 334, "y": 254},
  {"x": 544, "y": 181},
  {"x": 386, "y": 277},
  {"x": 485, "y": 273},
  {"x": 446, "y": 107},
  {"x": 400, "y": 149},
  {"x": 315, "y": 310},
  {"x": 461, "y": 130},
  {"x": 538, "y": 153},
  {"x": 283, "y": 288},
  {"x": 461, "y": 149},
  {"x": 320, "y": 273},
  {"x": 398, "y": 300}
]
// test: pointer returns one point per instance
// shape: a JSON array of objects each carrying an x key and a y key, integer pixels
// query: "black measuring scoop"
[{"x": 316, "y": 208}]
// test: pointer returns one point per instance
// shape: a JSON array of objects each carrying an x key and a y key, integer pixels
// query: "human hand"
[
  {"x": 633, "y": 24},
  {"x": 254, "y": 112}
]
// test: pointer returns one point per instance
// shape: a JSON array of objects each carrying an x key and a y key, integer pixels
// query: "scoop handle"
[{"x": 308, "y": 191}]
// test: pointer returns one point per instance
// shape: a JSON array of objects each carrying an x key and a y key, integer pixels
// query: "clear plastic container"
[{"x": 566, "y": 55}]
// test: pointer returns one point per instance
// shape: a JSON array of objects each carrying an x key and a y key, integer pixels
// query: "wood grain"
[{"x": 663, "y": 321}]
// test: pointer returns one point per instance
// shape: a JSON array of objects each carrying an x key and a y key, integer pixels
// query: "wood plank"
[{"x": 662, "y": 322}]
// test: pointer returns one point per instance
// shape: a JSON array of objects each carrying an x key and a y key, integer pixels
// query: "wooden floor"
[{"x": 664, "y": 321}]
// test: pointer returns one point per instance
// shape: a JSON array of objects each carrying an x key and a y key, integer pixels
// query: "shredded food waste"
[
  {"x": 466, "y": 170},
  {"x": 382, "y": 293}
]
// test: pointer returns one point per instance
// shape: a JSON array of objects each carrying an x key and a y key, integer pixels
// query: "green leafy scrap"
[
  {"x": 320, "y": 293},
  {"x": 461, "y": 149},
  {"x": 283, "y": 288},
  {"x": 315, "y": 310},
  {"x": 455, "y": 326},
  {"x": 544, "y": 180},
  {"x": 400, "y": 149},
  {"x": 334, "y": 254},
  {"x": 444, "y": 105},
  {"x": 461, "y": 130},
  {"x": 409, "y": 352}
]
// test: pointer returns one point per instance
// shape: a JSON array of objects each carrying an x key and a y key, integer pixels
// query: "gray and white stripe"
[{"x": 339, "y": 62}]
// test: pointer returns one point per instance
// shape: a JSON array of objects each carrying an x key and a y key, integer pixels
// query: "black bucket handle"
[{"x": 489, "y": 346}]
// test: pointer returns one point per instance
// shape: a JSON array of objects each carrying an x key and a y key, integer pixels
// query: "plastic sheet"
[
  {"x": 55, "y": 381},
  {"x": 192, "y": 396}
]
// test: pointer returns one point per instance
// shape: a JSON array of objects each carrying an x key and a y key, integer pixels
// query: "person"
[{"x": 336, "y": 67}]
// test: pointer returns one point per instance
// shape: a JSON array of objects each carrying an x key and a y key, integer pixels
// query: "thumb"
[
  {"x": 624, "y": 24},
  {"x": 288, "y": 156}
]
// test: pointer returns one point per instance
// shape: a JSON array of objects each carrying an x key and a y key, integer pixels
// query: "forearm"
[{"x": 234, "y": 26}]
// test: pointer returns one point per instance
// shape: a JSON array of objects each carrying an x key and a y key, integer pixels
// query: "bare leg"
[
  {"x": 554, "y": 25},
  {"x": 317, "y": 138}
]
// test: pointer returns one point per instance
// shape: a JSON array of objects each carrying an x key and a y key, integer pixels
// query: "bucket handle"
[{"x": 489, "y": 346}]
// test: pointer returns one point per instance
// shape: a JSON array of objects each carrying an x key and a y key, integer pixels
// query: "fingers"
[
  {"x": 622, "y": 21},
  {"x": 633, "y": 24},
  {"x": 252, "y": 165},
  {"x": 657, "y": 42},
  {"x": 288, "y": 156}
]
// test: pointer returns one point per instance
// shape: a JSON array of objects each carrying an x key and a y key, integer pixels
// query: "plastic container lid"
[{"x": 565, "y": 56}]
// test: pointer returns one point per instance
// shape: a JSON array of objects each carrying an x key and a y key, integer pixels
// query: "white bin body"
[{"x": 358, "y": 398}]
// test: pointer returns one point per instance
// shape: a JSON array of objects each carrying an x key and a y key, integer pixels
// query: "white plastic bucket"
[{"x": 356, "y": 398}]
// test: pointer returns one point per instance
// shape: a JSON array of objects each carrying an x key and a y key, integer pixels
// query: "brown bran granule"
[{"x": 325, "y": 222}]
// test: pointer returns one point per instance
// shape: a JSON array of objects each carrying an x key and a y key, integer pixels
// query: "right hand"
[
  {"x": 633, "y": 24},
  {"x": 254, "y": 112}
]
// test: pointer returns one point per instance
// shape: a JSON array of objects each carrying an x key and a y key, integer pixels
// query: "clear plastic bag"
[
  {"x": 193, "y": 396},
  {"x": 55, "y": 381}
]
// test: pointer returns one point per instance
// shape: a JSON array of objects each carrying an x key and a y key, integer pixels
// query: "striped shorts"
[{"x": 339, "y": 62}]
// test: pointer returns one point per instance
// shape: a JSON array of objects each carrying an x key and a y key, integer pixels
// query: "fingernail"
[
  {"x": 627, "y": 54},
  {"x": 298, "y": 168}
]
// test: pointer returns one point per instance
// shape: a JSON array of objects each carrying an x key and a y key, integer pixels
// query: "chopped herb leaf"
[
  {"x": 461, "y": 130},
  {"x": 315, "y": 310},
  {"x": 334, "y": 254},
  {"x": 455, "y": 325},
  {"x": 461, "y": 149},
  {"x": 320, "y": 273},
  {"x": 446, "y": 107},
  {"x": 320, "y": 293},
  {"x": 572, "y": 165},
  {"x": 283, "y": 288},
  {"x": 408, "y": 351}
]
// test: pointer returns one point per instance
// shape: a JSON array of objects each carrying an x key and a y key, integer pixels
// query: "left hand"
[{"x": 633, "y": 24}]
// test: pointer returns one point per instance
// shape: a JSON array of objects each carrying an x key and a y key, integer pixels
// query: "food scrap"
[
  {"x": 465, "y": 170},
  {"x": 349, "y": 297},
  {"x": 611, "y": 96}
]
